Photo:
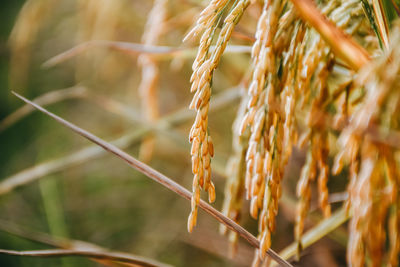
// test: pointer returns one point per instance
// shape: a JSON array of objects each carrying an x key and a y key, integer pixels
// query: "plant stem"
[
  {"x": 44, "y": 100},
  {"x": 313, "y": 235},
  {"x": 120, "y": 257},
  {"x": 161, "y": 179},
  {"x": 382, "y": 22},
  {"x": 91, "y": 152}
]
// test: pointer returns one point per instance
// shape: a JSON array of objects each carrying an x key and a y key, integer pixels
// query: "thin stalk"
[
  {"x": 43, "y": 238},
  {"x": 370, "y": 15},
  {"x": 396, "y": 7},
  {"x": 339, "y": 235},
  {"x": 319, "y": 231},
  {"x": 382, "y": 22},
  {"x": 119, "y": 257},
  {"x": 134, "y": 49},
  {"x": 161, "y": 179},
  {"x": 92, "y": 152},
  {"x": 44, "y": 100}
]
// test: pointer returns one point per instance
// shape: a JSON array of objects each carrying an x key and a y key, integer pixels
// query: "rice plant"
[{"x": 290, "y": 108}]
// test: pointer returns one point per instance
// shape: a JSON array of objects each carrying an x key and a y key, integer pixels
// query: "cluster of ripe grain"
[
  {"x": 306, "y": 66},
  {"x": 373, "y": 190},
  {"x": 263, "y": 155},
  {"x": 203, "y": 67},
  {"x": 150, "y": 72},
  {"x": 317, "y": 63},
  {"x": 299, "y": 87}
]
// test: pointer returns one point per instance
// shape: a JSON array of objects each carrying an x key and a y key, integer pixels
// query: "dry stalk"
[
  {"x": 89, "y": 153},
  {"x": 43, "y": 100},
  {"x": 382, "y": 22},
  {"x": 160, "y": 178},
  {"x": 103, "y": 255},
  {"x": 134, "y": 49},
  {"x": 72, "y": 245}
]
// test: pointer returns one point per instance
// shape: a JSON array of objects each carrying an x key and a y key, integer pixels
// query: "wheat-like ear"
[
  {"x": 291, "y": 72},
  {"x": 373, "y": 187},
  {"x": 160, "y": 178},
  {"x": 203, "y": 67},
  {"x": 263, "y": 162},
  {"x": 324, "y": 76}
]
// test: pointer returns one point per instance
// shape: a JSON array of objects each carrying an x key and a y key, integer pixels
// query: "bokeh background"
[{"x": 73, "y": 192}]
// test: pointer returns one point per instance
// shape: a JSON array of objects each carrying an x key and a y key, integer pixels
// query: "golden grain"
[
  {"x": 203, "y": 67},
  {"x": 372, "y": 192}
]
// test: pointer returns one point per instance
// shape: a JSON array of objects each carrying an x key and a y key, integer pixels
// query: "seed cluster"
[
  {"x": 374, "y": 185},
  {"x": 336, "y": 102},
  {"x": 316, "y": 63},
  {"x": 263, "y": 162},
  {"x": 203, "y": 67},
  {"x": 301, "y": 94}
]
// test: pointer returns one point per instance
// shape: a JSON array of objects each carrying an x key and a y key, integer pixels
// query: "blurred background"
[{"x": 54, "y": 183}]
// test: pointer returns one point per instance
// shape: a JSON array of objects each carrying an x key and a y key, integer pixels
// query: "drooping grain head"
[
  {"x": 204, "y": 65},
  {"x": 373, "y": 189}
]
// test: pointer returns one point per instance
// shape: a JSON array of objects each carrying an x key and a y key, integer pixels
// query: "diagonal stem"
[
  {"x": 316, "y": 233},
  {"x": 381, "y": 22},
  {"x": 160, "y": 178},
  {"x": 44, "y": 100},
  {"x": 63, "y": 243},
  {"x": 91, "y": 152},
  {"x": 103, "y": 255}
]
